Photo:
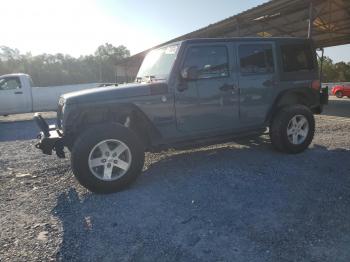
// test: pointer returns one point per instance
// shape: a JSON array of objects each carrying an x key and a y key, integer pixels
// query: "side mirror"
[{"x": 190, "y": 73}]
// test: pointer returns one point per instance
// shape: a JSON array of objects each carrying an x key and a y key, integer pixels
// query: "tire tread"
[
  {"x": 80, "y": 167},
  {"x": 279, "y": 123}
]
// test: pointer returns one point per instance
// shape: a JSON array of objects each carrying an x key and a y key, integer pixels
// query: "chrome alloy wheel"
[
  {"x": 110, "y": 160},
  {"x": 298, "y": 129}
]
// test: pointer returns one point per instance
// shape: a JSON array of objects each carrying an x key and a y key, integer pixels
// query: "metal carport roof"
[{"x": 326, "y": 21}]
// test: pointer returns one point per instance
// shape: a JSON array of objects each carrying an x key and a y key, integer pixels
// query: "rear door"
[
  {"x": 257, "y": 80},
  {"x": 14, "y": 98},
  {"x": 211, "y": 101}
]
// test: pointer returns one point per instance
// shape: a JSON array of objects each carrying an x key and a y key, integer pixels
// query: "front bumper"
[{"x": 51, "y": 138}]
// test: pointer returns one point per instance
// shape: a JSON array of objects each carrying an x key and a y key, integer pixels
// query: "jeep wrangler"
[{"x": 187, "y": 93}]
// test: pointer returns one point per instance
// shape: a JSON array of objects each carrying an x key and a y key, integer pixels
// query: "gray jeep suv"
[{"x": 186, "y": 94}]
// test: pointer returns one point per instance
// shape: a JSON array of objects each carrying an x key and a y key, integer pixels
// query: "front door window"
[
  {"x": 9, "y": 84},
  {"x": 211, "y": 61}
]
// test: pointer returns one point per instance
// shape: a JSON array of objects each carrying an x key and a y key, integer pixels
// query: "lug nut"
[{"x": 103, "y": 160}]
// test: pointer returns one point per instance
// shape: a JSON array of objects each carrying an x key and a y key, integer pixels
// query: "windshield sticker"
[{"x": 171, "y": 50}]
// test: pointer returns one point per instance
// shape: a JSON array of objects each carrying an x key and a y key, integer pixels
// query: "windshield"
[{"x": 158, "y": 63}]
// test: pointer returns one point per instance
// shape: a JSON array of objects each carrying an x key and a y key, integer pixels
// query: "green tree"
[
  {"x": 7, "y": 53},
  {"x": 60, "y": 69},
  {"x": 343, "y": 72},
  {"x": 339, "y": 72},
  {"x": 109, "y": 52},
  {"x": 108, "y": 56},
  {"x": 329, "y": 72}
]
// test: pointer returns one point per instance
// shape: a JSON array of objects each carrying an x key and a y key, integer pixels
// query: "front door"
[
  {"x": 211, "y": 101},
  {"x": 13, "y": 98}
]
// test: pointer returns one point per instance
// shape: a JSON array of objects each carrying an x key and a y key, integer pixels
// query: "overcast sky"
[{"x": 77, "y": 27}]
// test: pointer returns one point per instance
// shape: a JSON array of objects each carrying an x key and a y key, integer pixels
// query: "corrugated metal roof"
[{"x": 330, "y": 23}]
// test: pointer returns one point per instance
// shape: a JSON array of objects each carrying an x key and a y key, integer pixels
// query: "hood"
[{"x": 114, "y": 92}]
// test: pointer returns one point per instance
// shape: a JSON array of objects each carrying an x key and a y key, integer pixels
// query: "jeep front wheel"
[
  {"x": 107, "y": 158},
  {"x": 292, "y": 129}
]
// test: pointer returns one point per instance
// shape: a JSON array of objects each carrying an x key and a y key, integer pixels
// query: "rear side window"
[
  {"x": 256, "y": 59},
  {"x": 297, "y": 58},
  {"x": 211, "y": 61}
]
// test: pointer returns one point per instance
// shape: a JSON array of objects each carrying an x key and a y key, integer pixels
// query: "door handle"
[
  {"x": 227, "y": 87},
  {"x": 18, "y": 93}
]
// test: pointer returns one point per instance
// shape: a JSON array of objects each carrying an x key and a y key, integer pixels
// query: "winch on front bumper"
[{"x": 51, "y": 138}]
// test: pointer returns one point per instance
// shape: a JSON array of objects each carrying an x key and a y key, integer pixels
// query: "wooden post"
[{"x": 311, "y": 20}]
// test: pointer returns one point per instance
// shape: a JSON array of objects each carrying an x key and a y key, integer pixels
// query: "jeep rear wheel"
[
  {"x": 339, "y": 94},
  {"x": 107, "y": 158},
  {"x": 292, "y": 129}
]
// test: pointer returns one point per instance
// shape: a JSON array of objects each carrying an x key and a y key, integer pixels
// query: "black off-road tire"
[
  {"x": 339, "y": 94},
  {"x": 278, "y": 129},
  {"x": 86, "y": 142}
]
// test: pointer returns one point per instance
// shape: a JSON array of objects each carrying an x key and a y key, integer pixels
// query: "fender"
[
  {"x": 336, "y": 89},
  {"x": 127, "y": 114},
  {"x": 304, "y": 96}
]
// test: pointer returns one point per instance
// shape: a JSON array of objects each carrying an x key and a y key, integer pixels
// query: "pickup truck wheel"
[
  {"x": 292, "y": 129},
  {"x": 339, "y": 94},
  {"x": 107, "y": 158}
]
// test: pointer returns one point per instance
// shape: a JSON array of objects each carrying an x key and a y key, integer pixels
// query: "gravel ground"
[{"x": 239, "y": 201}]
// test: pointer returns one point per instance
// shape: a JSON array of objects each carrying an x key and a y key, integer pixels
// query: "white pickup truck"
[{"x": 18, "y": 95}]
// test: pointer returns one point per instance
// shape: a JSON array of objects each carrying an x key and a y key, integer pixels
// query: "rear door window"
[
  {"x": 256, "y": 59},
  {"x": 297, "y": 57}
]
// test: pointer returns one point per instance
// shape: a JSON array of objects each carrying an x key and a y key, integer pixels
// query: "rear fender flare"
[{"x": 303, "y": 96}]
